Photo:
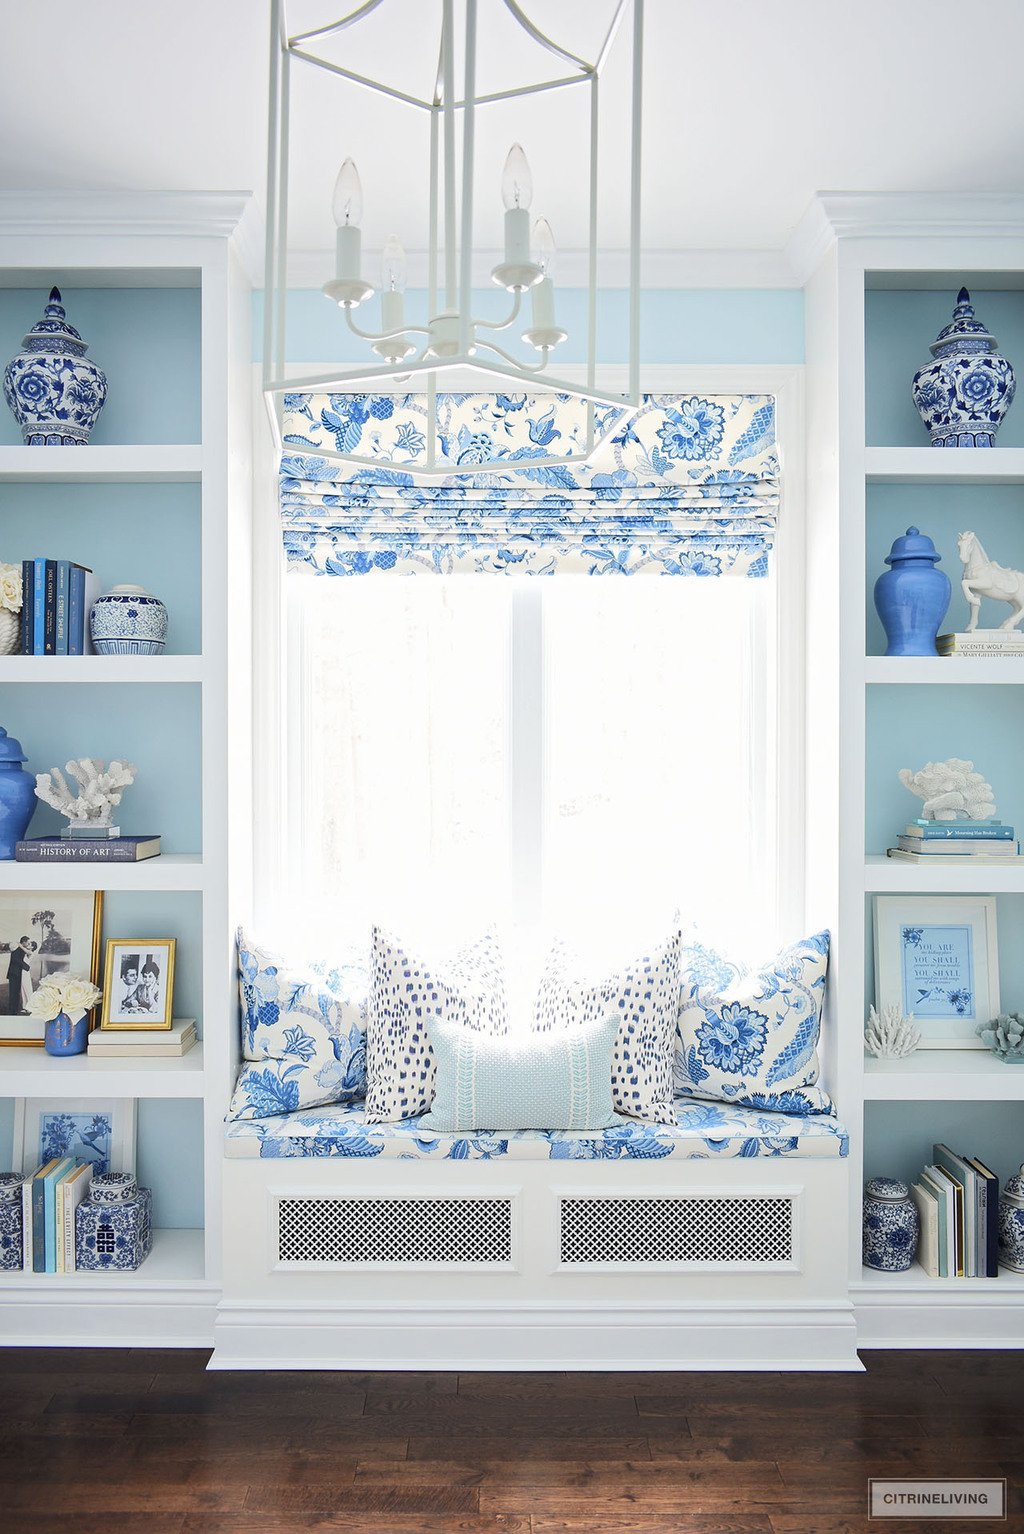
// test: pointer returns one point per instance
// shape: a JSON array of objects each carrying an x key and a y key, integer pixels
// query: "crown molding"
[
  {"x": 76, "y": 214},
  {"x": 833, "y": 216}
]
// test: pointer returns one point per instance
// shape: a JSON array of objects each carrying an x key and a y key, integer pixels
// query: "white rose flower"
[
  {"x": 46, "y": 1002},
  {"x": 10, "y": 588},
  {"x": 78, "y": 995}
]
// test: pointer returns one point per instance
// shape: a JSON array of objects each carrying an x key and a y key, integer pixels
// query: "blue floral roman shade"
[{"x": 686, "y": 485}]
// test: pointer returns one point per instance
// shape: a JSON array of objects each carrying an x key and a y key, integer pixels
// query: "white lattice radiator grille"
[
  {"x": 708, "y": 1232},
  {"x": 394, "y": 1232}
]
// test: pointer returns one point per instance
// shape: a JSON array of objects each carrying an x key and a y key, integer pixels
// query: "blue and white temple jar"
[
  {"x": 113, "y": 1226},
  {"x": 891, "y": 1226},
  {"x": 52, "y": 387},
  {"x": 963, "y": 394},
  {"x": 1011, "y": 1223},
  {"x": 128, "y": 620},
  {"x": 10, "y": 1221}
]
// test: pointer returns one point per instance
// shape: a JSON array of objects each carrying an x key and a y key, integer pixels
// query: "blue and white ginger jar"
[
  {"x": 891, "y": 1226},
  {"x": 10, "y": 1221},
  {"x": 127, "y": 620},
  {"x": 1011, "y": 1223},
  {"x": 53, "y": 389},
  {"x": 963, "y": 394},
  {"x": 114, "y": 1233}
]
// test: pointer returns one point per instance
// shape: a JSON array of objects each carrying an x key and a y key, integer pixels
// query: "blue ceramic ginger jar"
[
  {"x": 10, "y": 1221},
  {"x": 1011, "y": 1223},
  {"x": 17, "y": 794},
  {"x": 912, "y": 595},
  {"x": 964, "y": 392},
  {"x": 128, "y": 620},
  {"x": 113, "y": 1226},
  {"x": 891, "y": 1226},
  {"x": 53, "y": 389}
]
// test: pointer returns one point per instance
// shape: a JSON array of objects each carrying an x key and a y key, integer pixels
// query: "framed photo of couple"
[
  {"x": 43, "y": 935},
  {"x": 138, "y": 990}
]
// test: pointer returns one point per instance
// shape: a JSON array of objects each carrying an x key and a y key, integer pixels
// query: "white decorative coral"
[
  {"x": 892, "y": 1035},
  {"x": 951, "y": 790},
  {"x": 101, "y": 788}
]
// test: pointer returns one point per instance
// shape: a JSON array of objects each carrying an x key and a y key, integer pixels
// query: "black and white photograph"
[
  {"x": 139, "y": 983},
  {"x": 43, "y": 935}
]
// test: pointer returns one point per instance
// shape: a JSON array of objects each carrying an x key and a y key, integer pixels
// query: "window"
[{"x": 561, "y": 750}]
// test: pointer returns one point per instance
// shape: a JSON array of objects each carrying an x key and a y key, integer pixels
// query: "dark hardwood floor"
[{"x": 136, "y": 1442}]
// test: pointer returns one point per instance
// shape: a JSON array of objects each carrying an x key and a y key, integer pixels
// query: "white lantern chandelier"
[{"x": 415, "y": 351}]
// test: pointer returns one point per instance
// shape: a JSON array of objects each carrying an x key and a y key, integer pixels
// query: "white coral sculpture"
[
  {"x": 951, "y": 790},
  {"x": 892, "y": 1035},
  {"x": 101, "y": 788}
]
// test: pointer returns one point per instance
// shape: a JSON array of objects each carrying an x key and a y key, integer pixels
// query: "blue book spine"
[
  {"x": 63, "y": 596},
  {"x": 983, "y": 830},
  {"x": 50, "y": 610},
  {"x": 28, "y": 586},
  {"x": 50, "y": 1182},
  {"x": 39, "y": 607},
  {"x": 76, "y": 611}
]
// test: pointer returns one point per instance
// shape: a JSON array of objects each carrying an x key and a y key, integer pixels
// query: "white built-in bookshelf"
[
  {"x": 173, "y": 257},
  {"x": 880, "y": 269}
]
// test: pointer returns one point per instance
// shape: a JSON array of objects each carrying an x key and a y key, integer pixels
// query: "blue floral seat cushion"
[{"x": 702, "y": 1131}]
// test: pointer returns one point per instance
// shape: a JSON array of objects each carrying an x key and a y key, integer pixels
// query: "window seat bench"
[{"x": 701, "y": 1131}]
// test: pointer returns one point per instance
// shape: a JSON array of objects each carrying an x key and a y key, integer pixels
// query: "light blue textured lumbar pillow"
[{"x": 557, "y": 1080}]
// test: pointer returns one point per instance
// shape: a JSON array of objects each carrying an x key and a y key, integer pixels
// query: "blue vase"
[
  {"x": 891, "y": 1226},
  {"x": 964, "y": 392},
  {"x": 63, "y": 1037},
  {"x": 17, "y": 794},
  {"x": 912, "y": 596}
]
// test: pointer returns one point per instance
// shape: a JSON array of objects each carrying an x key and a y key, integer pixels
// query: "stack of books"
[
  {"x": 49, "y": 1199},
  {"x": 152, "y": 1043},
  {"x": 957, "y": 1198},
  {"x": 977, "y": 841},
  {"x": 982, "y": 642},
  {"x": 56, "y": 598},
  {"x": 87, "y": 849}
]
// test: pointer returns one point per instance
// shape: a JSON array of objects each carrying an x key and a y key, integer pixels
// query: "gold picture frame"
[
  {"x": 70, "y": 924},
  {"x": 138, "y": 984}
]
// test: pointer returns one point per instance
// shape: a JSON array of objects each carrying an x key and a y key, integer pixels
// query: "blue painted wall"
[
  {"x": 898, "y": 1137},
  {"x": 146, "y": 340},
  {"x": 727, "y": 325}
]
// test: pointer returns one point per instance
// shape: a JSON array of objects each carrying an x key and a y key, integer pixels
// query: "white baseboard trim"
[
  {"x": 945, "y": 1321},
  {"x": 149, "y": 1320},
  {"x": 772, "y": 1337}
]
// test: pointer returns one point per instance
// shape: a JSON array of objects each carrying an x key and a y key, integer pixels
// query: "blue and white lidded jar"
[
  {"x": 891, "y": 1226},
  {"x": 55, "y": 392},
  {"x": 1011, "y": 1223},
  {"x": 964, "y": 392},
  {"x": 11, "y": 1256},
  {"x": 114, "y": 1231},
  {"x": 127, "y": 620}
]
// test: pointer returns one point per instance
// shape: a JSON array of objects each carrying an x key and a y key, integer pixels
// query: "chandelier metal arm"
[
  {"x": 370, "y": 85},
  {"x": 524, "y": 367},
  {"x": 383, "y": 335},
  {"x": 503, "y": 324},
  {"x": 336, "y": 26},
  {"x": 545, "y": 41},
  {"x": 527, "y": 90}
]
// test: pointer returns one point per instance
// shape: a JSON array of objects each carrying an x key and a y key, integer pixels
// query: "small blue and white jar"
[
  {"x": 11, "y": 1257},
  {"x": 963, "y": 394},
  {"x": 112, "y": 1188},
  {"x": 113, "y": 1236},
  {"x": 1011, "y": 1224},
  {"x": 54, "y": 390},
  {"x": 127, "y": 620},
  {"x": 891, "y": 1226}
]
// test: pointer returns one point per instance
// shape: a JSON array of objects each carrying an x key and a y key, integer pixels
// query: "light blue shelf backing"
[
  {"x": 900, "y": 326},
  {"x": 168, "y": 1156},
  {"x": 158, "y": 728},
  {"x": 143, "y": 535},
  {"x": 693, "y": 325},
  {"x": 155, "y": 913},
  {"x": 908, "y": 726},
  {"x": 994, "y": 512},
  {"x": 146, "y": 340},
  {"x": 898, "y": 1137}
]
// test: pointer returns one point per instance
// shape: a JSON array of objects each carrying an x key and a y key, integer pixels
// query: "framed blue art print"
[{"x": 936, "y": 958}]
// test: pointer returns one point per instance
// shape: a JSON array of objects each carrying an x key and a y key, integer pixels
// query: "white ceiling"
[{"x": 750, "y": 107}]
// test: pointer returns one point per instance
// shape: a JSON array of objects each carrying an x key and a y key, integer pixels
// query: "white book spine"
[{"x": 26, "y": 1225}]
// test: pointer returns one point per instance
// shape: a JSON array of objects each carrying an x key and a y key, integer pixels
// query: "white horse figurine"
[{"x": 983, "y": 578}]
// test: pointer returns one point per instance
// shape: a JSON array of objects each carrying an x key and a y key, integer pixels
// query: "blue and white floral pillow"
[
  {"x": 407, "y": 988},
  {"x": 303, "y": 1033},
  {"x": 644, "y": 993},
  {"x": 751, "y": 1036}
]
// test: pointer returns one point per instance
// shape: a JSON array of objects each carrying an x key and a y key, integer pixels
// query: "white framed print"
[
  {"x": 98, "y": 1130},
  {"x": 937, "y": 956}
]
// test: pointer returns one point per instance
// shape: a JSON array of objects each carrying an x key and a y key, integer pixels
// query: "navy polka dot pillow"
[{"x": 409, "y": 988}]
